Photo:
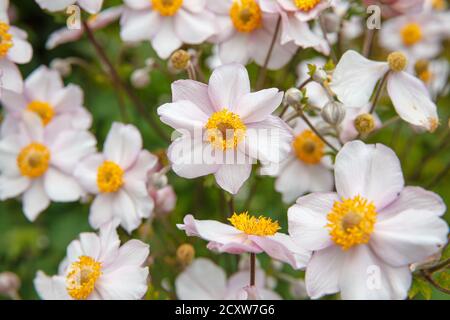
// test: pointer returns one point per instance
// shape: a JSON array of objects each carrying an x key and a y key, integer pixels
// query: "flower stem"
[
  {"x": 325, "y": 36},
  {"x": 252, "y": 269},
  {"x": 430, "y": 279},
  {"x": 311, "y": 126},
  {"x": 263, "y": 72},
  {"x": 368, "y": 42},
  {"x": 378, "y": 92}
]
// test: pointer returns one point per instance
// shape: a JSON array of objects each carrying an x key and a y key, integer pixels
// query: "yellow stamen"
[
  {"x": 225, "y": 129},
  {"x": 306, "y": 5},
  {"x": 5, "y": 39},
  {"x": 411, "y": 33},
  {"x": 33, "y": 160},
  {"x": 308, "y": 147},
  {"x": 439, "y": 5},
  {"x": 167, "y": 7},
  {"x": 109, "y": 177},
  {"x": 43, "y": 109},
  {"x": 81, "y": 277},
  {"x": 254, "y": 226},
  {"x": 351, "y": 221},
  {"x": 246, "y": 15}
]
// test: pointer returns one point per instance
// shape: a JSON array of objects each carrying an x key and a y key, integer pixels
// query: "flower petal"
[
  {"x": 91, "y": 6},
  {"x": 200, "y": 26},
  {"x": 126, "y": 283},
  {"x": 50, "y": 288},
  {"x": 11, "y": 76},
  {"x": 101, "y": 211},
  {"x": 231, "y": 177},
  {"x": 86, "y": 172},
  {"x": 193, "y": 91},
  {"x": 61, "y": 187},
  {"x": 257, "y": 106},
  {"x": 35, "y": 200},
  {"x": 139, "y": 25},
  {"x": 166, "y": 41},
  {"x": 182, "y": 114}
]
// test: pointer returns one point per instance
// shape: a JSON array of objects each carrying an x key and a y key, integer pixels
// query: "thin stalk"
[
  {"x": 368, "y": 42},
  {"x": 430, "y": 279},
  {"x": 311, "y": 126},
  {"x": 252, "y": 269},
  {"x": 378, "y": 92},
  {"x": 263, "y": 72}
]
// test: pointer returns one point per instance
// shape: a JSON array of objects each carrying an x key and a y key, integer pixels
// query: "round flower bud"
[
  {"x": 9, "y": 283},
  {"x": 397, "y": 61},
  {"x": 180, "y": 59},
  {"x": 62, "y": 66},
  {"x": 421, "y": 66},
  {"x": 293, "y": 96},
  {"x": 185, "y": 254},
  {"x": 140, "y": 78},
  {"x": 333, "y": 113},
  {"x": 364, "y": 123}
]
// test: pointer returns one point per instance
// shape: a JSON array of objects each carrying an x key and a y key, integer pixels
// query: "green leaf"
[
  {"x": 311, "y": 69},
  {"x": 420, "y": 286}
]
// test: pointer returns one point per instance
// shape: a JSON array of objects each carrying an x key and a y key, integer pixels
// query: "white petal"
[
  {"x": 11, "y": 187},
  {"x": 42, "y": 84},
  {"x": 67, "y": 99},
  {"x": 86, "y": 172},
  {"x": 166, "y": 41},
  {"x": 21, "y": 52},
  {"x": 109, "y": 243},
  {"x": 101, "y": 210},
  {"x": 35, "y": 200},
  {"x": 194, "y": 28},
  {"x": 137, "y": 4},
  {"x": 257, "y": 106},
  {"x": 61, "y": 187},
  {"x": 51, "y": 288},
  {"x": 141, "y": 167},
  {"x": 125, "y": 209},
  {"x": 235, "y": 49},
  {"x": 90, "y": 245},
  {"x": 182, "y": 115},
  {"x": 11, "y": 76},
  {"x": 194, "y": 5},
  {"x": 193, "y": 91},
  {"x": 53, "y": 5},
  {"x": 127, "y": 283},
  {"x": 139, "y": 25},
  {"x": 91, "y": 6},
  {"x": 231, "y": 177},
  {"x": 132, "y": 253}
]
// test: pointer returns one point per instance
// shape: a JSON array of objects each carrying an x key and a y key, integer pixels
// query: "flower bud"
[
  {"x": 9, "y": 284},
  {"x": 397, "y": 61},
  {"x": 185, "y": 254},
  {"x": 333, "y": 113},
  {"x": 140, "y": 78},
  {"x": 364, "y": 123},
  {"x": 293, "y": 97},
  {"x": 180, "y": 60},
  {"x": 62, "y": 66},
  {"x": 320, "y": 76}
]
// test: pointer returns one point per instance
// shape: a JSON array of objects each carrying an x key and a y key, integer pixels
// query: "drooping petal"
[{"x": 53, "y": 6}]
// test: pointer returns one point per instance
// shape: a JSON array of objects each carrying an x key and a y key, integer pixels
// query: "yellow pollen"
[
  {"x": 433, "y": 124},
  {"x": 351, "y": 221},
  {"x": 426, "y": 76},
  {"x": 306, "y": 5},
  {"x": 109, "y": 177},
  {"x": 411, "y": 34},
  {"x": 5, "y": 39},
  {"x": 33, "y": 160},
  {"x": 225, "y": 129},
  {"x": 81, "y": 277},
  {"x": 167, "y": 7},
  {"x": 245, "y": 15},
  {"x": 43, "y": 109},
  {"x": 251, "y": 225},
  {"x": 308, "y": 147},
  {"x": 439, "y": 5},
  {"x": 397, "y": 61}
]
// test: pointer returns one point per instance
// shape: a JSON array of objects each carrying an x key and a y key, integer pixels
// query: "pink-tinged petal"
[
  {"x": 123, "y": 144},
  {"x": 51, "y": 288},
  {"x": 308, "y": 219},
  {"x": 355, "y": 71},
  {"x": 137, "y": 191},
  {"x": 86, "y": 172},
  {"x": 288, "y": 182},
  {"x": 32, "y": 127},
  {"x": 194, "y": 5},
  {"x": 365, "y": 277},
  {"x": 52, "y": 5},
  {"x": 298, "y": 31},
  {"x": 4, "y": 5},
  {"x": 11, "y": 187},
  {"x": 138, "y": 4},
  {"x": 109, "y": 243},
  {"x": 132, "y": 253},
  {"x": 166, "y": 41},
  {"x": 126, "y": 283},
  {"x": 193, "y": 91},
  {"x": 412, "y": 101},
  {"x": 106, "y": 17},
  {"x": 13, "y": 102},
  {"x": 227, "y": 85},
  {"x": 101, "y": 211},
  {"x": 90, "y": 245},
  {"x": 201, "y": 26},
  {"x": 42, "y": 84},
  {"x": 202, "y": 280},
  {"x": 257, "y": 106},
  {"x": 288, "y": 5},
  {"x": 235, "y": 247},
  {"x": 323, "y": 272},
  {"x": 269, "y": 6},
  {"x": 313, "y": 13},
  {"x": 371, "y": 171},
  {"x": 240, "y": 279},
  {"x": 35, "y": 200},
  {"x": 62, "y": 36},
  {"x": 21, "y": 52},
  {"x": 409, "y": 236},
  {"x": 183, "y": 114},
  {"x": 11, "y": 76},
  {"x": 282, "y": 247},
  {"x": 67, "y": 99},
  {"x": 231, "y": 177},
  {"x": 91, "y": 6},
  {"x": 139, "y": 25},
  {"x": 145, "y": 162},
  {"x": 61, "y": 187},
  {"x": 126, "y": 210},
  {"x": 219, "y": 7},
  {"x": 234, "y": 49}
]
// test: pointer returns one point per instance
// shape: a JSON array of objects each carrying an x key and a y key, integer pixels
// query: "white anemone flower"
[
  {"x": 355, "y": 77},
  {"x": 118, "y": 178},
  {"x": 98, "y": 268},
  {"x": 365, "y": 235},
  {"x": 167, "y": 24},
  {"x": 90, "y": 6},
  {"x": 37, "y": 164}
]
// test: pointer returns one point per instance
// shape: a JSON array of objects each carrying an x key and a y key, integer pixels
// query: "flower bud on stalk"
[
  {"x": 364, "y": 123},
  {"x": 140, "y": 78},
  {"x": 185, "y": 254},
  {"x": 180, "y": 60},
  {"x": 333, "y": 113},
  {"x": 293, "y": 97}
]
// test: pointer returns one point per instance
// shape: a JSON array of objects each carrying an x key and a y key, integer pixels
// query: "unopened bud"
[
  {"x": 293, "y": 97},
  {"x": 364, "y": 123},
  {"x": 140, "y": 78},
  {"x": 397, "y": 61},
  {"x": 185, "y": 254},
  {"x": 320, "y": 76},
  {"x": 180, "y": 59},
  {"x": 62, "y": 66},
  {"x": 333, "y": 113},
  {"x": 9, "y": 284}
]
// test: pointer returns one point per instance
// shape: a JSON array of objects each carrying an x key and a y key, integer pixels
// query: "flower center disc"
[
  {"x": 81, "y": 277},
  {"x": 254, "y": 226},
  {"x": 351, "y": 221},
  {"x": 246, "y": 15},
  {"x": 306, "y": 5},
  {"x": 225, "y": 129},
  {"x": 411, "y": 34},
  {"x": 109, "y": 177},
  {"x": 33, "y": 160},
  {"x": 5, "y": 39},
  {"x": 308, "y": 147},
  {"x": 167, "y": 7},
  {"x": 43, "y": 109}
]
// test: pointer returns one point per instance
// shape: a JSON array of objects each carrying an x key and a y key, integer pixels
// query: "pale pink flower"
[
  {"x": 251, "y": 131},
  {"x": 96, "y": 267},
  {"x": 45, "y": 95},
  {"x": 37, "y": 164},
  {"x": 90, "y": 6},
  {"x": 166, "y": 25},
  {"x": 244, "y": 34},
  {"x": 160, "y": 191},
  {"x": 366, "y": 234},
  {"x": 204, "y": 280},
  {"x": 118, "y": 178},
  {"x": 347, "y": 130},
  {"x": 392, "y": 8},
  {"x": 303, "y": 10}
]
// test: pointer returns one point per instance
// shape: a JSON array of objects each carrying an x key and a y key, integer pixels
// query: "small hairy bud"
[
  {"x": 140, "y": 78},
  {"x": 333, "y": 113},
  {"x": 320, "y": 76},
  {"x": 397, "y": 61},
  {"x": 180, "y": 59},
  {"x": 62, "y": 66},
  {"x": 185, "y": 254},
  {"x": 364, "y": 123},
  {"x": 293, "y": 96}
]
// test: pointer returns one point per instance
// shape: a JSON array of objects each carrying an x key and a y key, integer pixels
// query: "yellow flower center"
[
  {"x": 81, "y": 277},
  {"x": 43, "y": 109},
  {"x": 225, "y": 129},
  {"x": 5, "y": 39},
  {"x": 254, "y": 226},
  {"x": 411, "y": 34},
  {"x": 246, "y": 15},
  {"x": 397, "y": 61},
  {"x": 308, "y": 147},
  {"x": 167, "y": 7},
  {"x": 33, "y": 160},
  {"x": 109, "y": 177},
  {"x": 306, "y": 5},
  {"x": 351, "y": 221},
  {"x": 439, "y": 5}
]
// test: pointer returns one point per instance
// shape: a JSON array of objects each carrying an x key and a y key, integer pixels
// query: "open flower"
[
  {"x": 45, "y": 95},
  {"x": 247, "y": 234},
  {"x": 37, "y": 164},
  {"x": 204, "y": 280},
  {"x": 90, "y": 6},
  {"x": 224, "y": 127},
  {"x": 366, "y": 234},
  {"x": 434, "y": 75},
  {"x": 355, "y": 78},
  {"x": 118, "y": 178},
  {"x": 98, "y": 268},
  {"x": 245, "y": 33},
  {"x": 167, "y": 24}
]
